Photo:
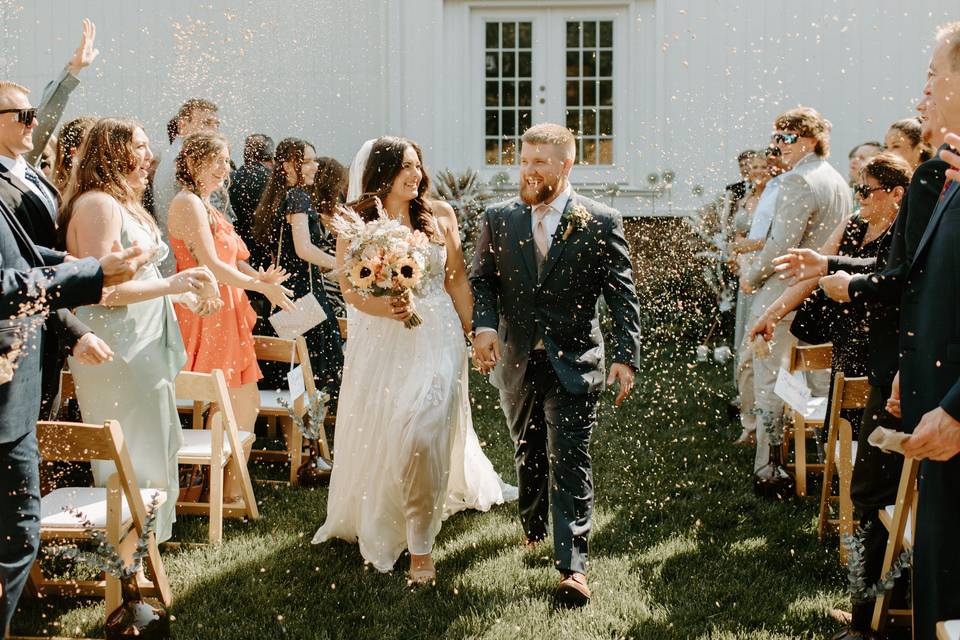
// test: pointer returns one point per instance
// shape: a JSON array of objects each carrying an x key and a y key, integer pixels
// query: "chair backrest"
[
  {"x": 79, "y": 442},
  {"x": 342, "y": 324},
  {"x": 812, "y": 357},
  {"x": 855, "y": 391},
  {"x": 203, "y": 387},
  {"x": 294, "y": 352}
]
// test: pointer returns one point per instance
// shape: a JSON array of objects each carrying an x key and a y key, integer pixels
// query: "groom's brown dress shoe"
[
  {"x": 530, "y": 543},
  {"x": 572, "y": 591}
]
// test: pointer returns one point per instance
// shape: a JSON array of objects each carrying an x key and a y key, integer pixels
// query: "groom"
[{"x": 542, "y": 262}]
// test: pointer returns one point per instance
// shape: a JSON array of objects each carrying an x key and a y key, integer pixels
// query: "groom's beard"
[{"x": 534, "y": 196}]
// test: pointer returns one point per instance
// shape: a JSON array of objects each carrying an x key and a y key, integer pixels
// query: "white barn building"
[{"x": 653, "y": 87}]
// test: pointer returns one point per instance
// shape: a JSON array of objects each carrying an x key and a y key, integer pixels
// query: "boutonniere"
[{"x": 576, "y": 219}]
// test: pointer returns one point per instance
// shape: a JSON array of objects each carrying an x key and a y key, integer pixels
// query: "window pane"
[
  {"x": 589, "y": 64},
  {"x": 493, "y": 122},
  {"x": 492, "y": 94},
  {"x": 589, "y": 122},
  {"x": 509, "y": 61},
  {"x": 573, "y": 92},
  {"x": 509, "y": 151},
  {"x": 606, "y": 122},
  {"x": 491, "y": 153},
  {"x": 524, "y": 64},
  {"x": 606, "y": 33},
  {"x": 573, "y": 64},
  {"x": 493, "y": 35},
  {"x": 493, "y": 65},
  {"x": 606, "y": 63},
  {"x": 606, "y": 93},
  {"x": 508, "y": 120},
  {"x": 525, "y": 34},
  {"x": 573, "y": 120},
  {"x": 589, "y": 34},
  {"x": 589, "y": 93},
  {"x": 509, "y": 93},
  {"x": 606, "y": 151},
  {"x": 509, "y": 35},
  {"x": 573, "y": 35},
  {"x": 523, "y": 121},
  {"x": 589, "y": 151},
  {"x": 524, "y": 93}
]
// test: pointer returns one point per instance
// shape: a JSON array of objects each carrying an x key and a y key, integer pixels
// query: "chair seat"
[
  {"x": 270, "y": 401},
  {"x": 90, "y": 501},
  {"x": 196, "y": 443},
  {"x": 907, "y": 530},
  {"x": 950, "y": 630},
  {"x": 187, "y": 405},
  {"x": 853, "y": 451}
]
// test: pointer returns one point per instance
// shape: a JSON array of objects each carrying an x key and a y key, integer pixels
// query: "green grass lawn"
[{"x": 680, "y": 549}]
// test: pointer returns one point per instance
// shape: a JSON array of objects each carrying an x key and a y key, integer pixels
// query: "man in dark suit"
[
  {"x": 35, "y": 203},
  {"x": 33, "y": 281},
  {"x": 248, "y": 182},
  {"x": 542, "y": 262},
  {"x": 930, "y": 370}
]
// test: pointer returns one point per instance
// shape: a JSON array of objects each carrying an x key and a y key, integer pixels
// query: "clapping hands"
[
  {"x": 272, "y": 275},
  {"x": 800, "y": 264}
]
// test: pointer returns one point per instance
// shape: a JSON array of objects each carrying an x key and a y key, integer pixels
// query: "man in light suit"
[
  {"x": 930, "y": 369},
  {"x": 813, "y": 198},
  {"x": 542, "y": 262}
]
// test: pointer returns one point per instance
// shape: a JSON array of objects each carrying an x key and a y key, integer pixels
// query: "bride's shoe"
[{"x": 421, "y": 572}]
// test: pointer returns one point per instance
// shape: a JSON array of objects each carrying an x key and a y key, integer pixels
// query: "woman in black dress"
[
  {"x": 327, "y": 193},
  {"x": 287, "y": 230}
]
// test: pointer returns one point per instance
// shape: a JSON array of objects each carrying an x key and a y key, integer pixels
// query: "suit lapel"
[
  {"x": 27, "y": 249},
  {"x": 40, "y": 218},
  {"x": 558, "y": 244},
  {"x": 523, "y": 231},
  {"x": 935, "y": 219}
]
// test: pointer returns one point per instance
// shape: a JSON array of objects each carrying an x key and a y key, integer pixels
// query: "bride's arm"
[
  {"x": 371, "y": 305},
  {"x": 456, "y": 281}
]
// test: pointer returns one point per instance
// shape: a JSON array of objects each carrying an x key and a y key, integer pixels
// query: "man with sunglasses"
[{"x": 812, "y": 199}]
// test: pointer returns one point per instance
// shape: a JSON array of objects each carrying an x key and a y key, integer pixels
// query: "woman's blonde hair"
[
  {"x": 69, "y": 141},
  {"x": 199, "y": 149},
  {"x": 105, "y": 158}
]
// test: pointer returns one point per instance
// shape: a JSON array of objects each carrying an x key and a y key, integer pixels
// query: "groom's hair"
[
  {"x": 950, "y": 33},
  {"x": 550, "y": 133}
]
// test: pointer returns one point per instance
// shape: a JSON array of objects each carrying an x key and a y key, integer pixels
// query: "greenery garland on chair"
[{"x": 856, "y": 569}]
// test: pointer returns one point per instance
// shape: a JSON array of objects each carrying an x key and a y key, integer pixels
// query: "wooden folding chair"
[
  {"x": 218, "y": 448},
  {"x": 293, "y": 353},
  {"x": 899, "y": 520},
  {"x": 118, "y": 510},
  {"x": 848, "y": 393},
  {"x": 805, "y": 358}
]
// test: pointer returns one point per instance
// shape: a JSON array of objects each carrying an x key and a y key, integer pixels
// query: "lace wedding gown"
[{"x": 406, "y": 452}]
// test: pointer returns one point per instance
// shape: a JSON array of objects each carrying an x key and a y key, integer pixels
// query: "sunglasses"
[
  {"x": 24, "y": 116},
  {"x": 863, "y": 192},
  {"x": 786, "y": 138}
]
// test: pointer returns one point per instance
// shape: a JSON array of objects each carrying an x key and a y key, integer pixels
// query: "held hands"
[
  {"x": 952, "y": 156},
  {"x": 800, "y": 264},
  {"x": 837, "y": 286},
  {"x": 486, "y": 350},
  {"x": 86, "y": 53},
  {"x": 937, "y": 437},
  {"x": 91, "y": 350},
  {"x": 123, "y": 264},
  {"x": 622, "y": 374}
]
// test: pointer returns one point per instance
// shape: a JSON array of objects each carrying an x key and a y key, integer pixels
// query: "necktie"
[
  {"x": 540, "y": 232},
  {"x": 946, "y": 187},
  {"x": 41, "y": 191}
]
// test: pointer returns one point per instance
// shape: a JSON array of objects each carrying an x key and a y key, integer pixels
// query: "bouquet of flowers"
[{"x": 385, "y": 258}]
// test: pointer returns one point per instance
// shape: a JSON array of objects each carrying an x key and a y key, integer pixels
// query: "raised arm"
[
  {"x": 456, "y": 282},
  {"x": 484, "y": 280},
  {"x": 188, "y": 221}
]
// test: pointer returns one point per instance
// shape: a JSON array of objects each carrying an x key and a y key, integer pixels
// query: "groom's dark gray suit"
[{"x": 550, "y": 395}]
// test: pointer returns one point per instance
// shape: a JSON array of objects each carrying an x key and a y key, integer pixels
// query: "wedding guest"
[
  {"x": 858, "y": 156},
  {"x": 71, "y": 137},
  {"x": 248, "y": 182},
  {"x": 327, "y": 193},
  {"x": 196, "y": 115},
  {"x": 201, "y": 236},
  {"x": 102, "y": 214},
  {"x": 287, "y": 224},
  {"x": 27, "y": 269},
  {"x": 48, "y": 158},
  {"x": 930, "y": 373},
  {"x": 57, "y": 93},
  {"x": 812, "y": 200},
  {"x": 905, "y": 138}
]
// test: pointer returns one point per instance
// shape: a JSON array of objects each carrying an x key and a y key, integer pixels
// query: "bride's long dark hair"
[{"x": 383, "y": 165}]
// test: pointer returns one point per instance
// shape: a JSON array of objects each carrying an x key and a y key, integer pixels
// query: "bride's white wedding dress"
[{"x": 406, "y": 454}]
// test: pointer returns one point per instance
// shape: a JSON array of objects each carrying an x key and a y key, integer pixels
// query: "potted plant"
[
  {"x": 135, "y": 616},
  {"x": 469, "y": 196},
  {"x": 315, "y": 470}
]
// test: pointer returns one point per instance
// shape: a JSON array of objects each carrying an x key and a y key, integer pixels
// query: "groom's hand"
[
  {"x": 486, "y": 350},
  {"x": 622, "y": 374}
]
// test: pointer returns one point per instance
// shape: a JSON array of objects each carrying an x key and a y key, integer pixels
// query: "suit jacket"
[
  {"x": 811, "y": 201},
  {"x": 559, "y": 307},
  {"x": 246, "y": 186},
  {"x": 49, "y": 112},
  {"x": 27, "y": 274},
  {"x": 930, "y": 318},
  {"x": 882, "y": 288}
]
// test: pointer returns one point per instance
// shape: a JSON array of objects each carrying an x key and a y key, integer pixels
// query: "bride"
[{"x": 406, "y": 452}]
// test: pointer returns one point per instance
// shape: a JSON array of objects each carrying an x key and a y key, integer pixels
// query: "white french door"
[{"x": 549, "y": 65}]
